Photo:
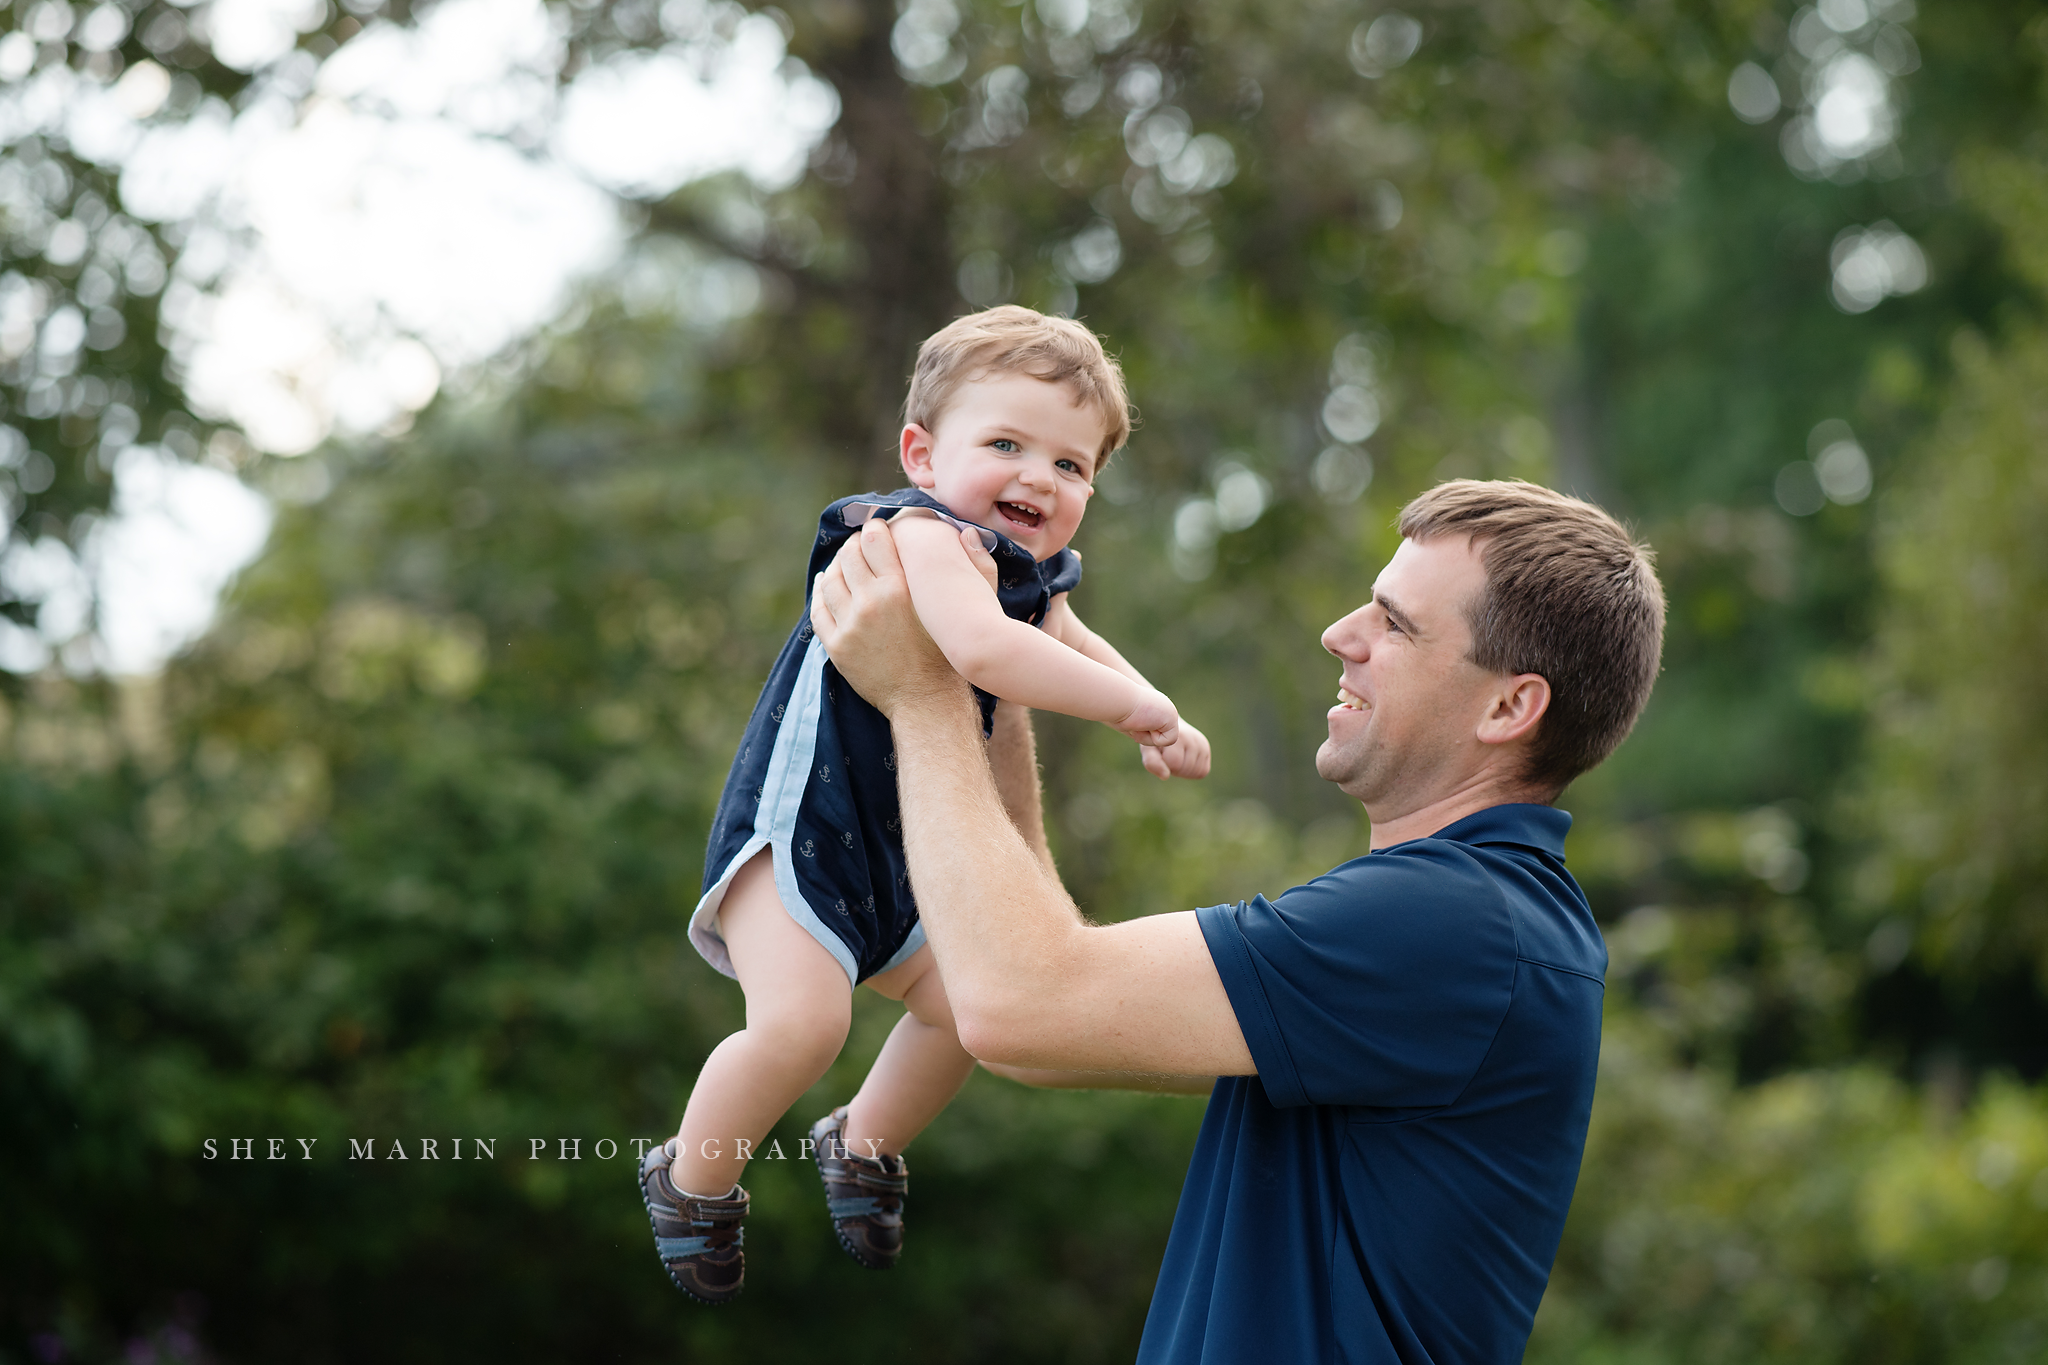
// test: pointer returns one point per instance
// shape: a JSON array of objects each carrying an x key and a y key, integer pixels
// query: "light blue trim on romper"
[
  {"x": 858, "y": 513},
  {"x": 911, "y": 943},
  {"x": 782, "y": 793}
]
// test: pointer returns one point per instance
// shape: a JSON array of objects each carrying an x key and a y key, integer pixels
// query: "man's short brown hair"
[
  {"x": 1014, "y": 340},
  {"x": 1569, "y": 595}
]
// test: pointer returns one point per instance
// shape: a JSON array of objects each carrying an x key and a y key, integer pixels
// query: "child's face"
[{"x": 1014, "y": 454}]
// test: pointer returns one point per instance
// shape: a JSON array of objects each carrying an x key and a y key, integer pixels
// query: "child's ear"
[{"x": 917, "y": 456}]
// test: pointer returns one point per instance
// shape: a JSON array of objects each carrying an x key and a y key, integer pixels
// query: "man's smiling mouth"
[
  {"x": 1022, "y": 515},
  {"x": 1351, "y": 701}
]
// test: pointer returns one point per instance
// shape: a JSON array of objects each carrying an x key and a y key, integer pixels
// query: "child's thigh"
[
  {"x": 780, "y": 966},
  {"x": 915, "y": 981}
]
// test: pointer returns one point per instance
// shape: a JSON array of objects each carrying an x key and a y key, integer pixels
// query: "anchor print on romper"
[
  {"x": 846, "y": 837},
  {"x": 840, "y": 906},
  {"x": 776, "y": 714},
  {"x": 808, "y": 849},
  {"x": 824, "y": 772}
]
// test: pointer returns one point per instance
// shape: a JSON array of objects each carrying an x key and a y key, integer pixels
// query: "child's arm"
[
  {"x": 1188, "y": 755},
  {"x": 1016, "y": 662}
]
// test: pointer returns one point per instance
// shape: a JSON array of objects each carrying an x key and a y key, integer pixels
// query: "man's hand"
[{"x": 861, "y": 609}]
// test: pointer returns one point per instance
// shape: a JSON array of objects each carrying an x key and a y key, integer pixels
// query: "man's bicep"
[{"x": 1141, "y": 996}]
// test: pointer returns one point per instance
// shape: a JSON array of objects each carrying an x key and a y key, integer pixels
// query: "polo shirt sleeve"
[{"x": 1381, "y": 983}]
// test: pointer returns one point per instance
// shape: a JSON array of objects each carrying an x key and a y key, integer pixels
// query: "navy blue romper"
[{"x": 815, "y": 777}]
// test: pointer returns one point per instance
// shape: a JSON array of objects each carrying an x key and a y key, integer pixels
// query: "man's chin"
[
  {"x": 1332, "y": 764},
  {"x": 1347, "y": 769}
]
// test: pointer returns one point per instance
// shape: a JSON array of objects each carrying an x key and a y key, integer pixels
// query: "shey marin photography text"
[{"x": 479, "y": 1149}]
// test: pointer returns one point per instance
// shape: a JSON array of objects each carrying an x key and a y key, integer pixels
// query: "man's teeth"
[{"x": 1351, "y": 702}]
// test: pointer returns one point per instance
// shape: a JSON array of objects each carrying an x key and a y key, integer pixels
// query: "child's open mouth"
[{"x": 1020, "y": 514}]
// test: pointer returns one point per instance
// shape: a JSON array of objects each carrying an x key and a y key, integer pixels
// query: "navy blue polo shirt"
[{"x": 1392, "y": 1184}]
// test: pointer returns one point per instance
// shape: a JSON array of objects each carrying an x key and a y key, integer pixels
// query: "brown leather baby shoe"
[
  {"x": 698, "y": 1240},
  {"x": 863, "y": 1193}
]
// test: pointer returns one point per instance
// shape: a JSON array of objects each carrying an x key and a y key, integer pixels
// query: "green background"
[{"x": 403, "y": 847}]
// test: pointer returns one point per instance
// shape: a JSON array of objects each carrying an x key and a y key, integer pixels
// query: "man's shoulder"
[
  {"x": 1476, "y": 876},
  {"x": 1436, "y": 871},
  {"x": 1403, "y": 898},
  {"x": 1520, "y": 850}
]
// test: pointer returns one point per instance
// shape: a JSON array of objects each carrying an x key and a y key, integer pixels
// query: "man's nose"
[{"x": 1345, "y": 637}]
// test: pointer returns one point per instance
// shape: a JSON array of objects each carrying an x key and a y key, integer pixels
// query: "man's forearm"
[
  {"x": 1031, "y": 985},
  {"x": 1013, "y": 759},
  {"x": 999, "y": 922}
]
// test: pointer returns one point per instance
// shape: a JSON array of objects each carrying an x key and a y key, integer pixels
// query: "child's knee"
[
  {"x": 807, "y": 1028},
  {"x": 927, "y": 1003}
]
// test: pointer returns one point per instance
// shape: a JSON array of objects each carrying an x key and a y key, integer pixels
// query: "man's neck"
[{"x": 1483, "y": 791}]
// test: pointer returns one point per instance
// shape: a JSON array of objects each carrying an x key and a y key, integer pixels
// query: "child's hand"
[
  {"x": 1187, "y": 756},
  {"x": 1153, "y": 720}
]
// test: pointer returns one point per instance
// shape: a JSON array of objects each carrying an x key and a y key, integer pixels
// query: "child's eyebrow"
[{"x": 1000, "y": 431}]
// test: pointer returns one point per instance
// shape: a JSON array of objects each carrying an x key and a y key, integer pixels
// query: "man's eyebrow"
[{"x": 1401, "y": 618}]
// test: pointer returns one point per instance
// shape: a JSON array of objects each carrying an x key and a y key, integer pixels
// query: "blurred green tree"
[{"x": 401, "y": 849}]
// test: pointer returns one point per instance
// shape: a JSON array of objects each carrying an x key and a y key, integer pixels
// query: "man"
[{"x": 1405, "y": 1046}]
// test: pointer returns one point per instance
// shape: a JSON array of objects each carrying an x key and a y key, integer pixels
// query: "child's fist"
[
  {"x": 1153, "y": 720},
  {"x": 1187, "y": 756}
]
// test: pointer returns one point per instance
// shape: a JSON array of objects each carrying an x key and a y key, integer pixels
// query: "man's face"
[
  {"x": 1012, "y": 453},
  {"x": 1410, "y": 699}
]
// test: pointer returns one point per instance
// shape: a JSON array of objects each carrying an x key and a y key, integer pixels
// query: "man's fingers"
[
  {"x": 984, "y": 563},
  {"x": 878, "y": 550},
  {"x": 851, "y": 564},
  {"x": 822, "y": 619}
]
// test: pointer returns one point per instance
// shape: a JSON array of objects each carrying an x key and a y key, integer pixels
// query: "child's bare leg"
[
  {"x": 920, "y": 1069},
  {"x": 799, "y": 1004}
]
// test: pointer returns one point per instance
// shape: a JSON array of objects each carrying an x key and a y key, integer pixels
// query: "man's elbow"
[{"x": 1000, "y": 1031}]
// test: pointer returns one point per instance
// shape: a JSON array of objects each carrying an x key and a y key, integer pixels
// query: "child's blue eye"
[
  {"x": 1069, "y": 466},
  {"x": 1004, "y": 444}
]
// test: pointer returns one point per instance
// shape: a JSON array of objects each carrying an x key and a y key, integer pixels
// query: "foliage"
[
  {"x": 401, "y": 849},
  {"x": 1957, "y": 795},
  {"x": 1819, "y": 1216}
]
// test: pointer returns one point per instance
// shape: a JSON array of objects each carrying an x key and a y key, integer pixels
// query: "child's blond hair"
[{"x": 1015, "y": 340}]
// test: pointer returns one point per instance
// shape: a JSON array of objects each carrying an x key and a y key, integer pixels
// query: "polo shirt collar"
[{"x": 1532, "y": 826}]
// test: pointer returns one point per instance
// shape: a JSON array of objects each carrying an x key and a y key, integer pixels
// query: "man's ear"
[
  {"x": 917, "y": 456},
  {"x": 1516, "y": 709}
]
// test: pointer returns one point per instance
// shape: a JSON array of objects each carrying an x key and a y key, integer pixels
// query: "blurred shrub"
[{"x": 1820, "y": 1216}]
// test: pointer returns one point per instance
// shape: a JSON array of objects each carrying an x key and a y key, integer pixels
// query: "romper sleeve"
[{"x": 1061, "y": 573}]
